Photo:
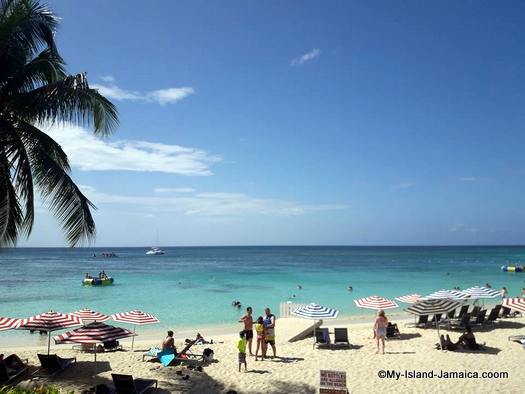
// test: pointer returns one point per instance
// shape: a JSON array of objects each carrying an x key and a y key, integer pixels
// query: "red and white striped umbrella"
[
  {"x": 7, "y": 323},
  {"x": 49, "y": 321},
  {"x": 94, "y": 333},
  {"x": 517, "y": 304},
  {"x": 375, "y": 302},
  {"x": 89, "y": 315},
  {"x": 409, "y": 298},
  {"x": 137, "y": 318}
]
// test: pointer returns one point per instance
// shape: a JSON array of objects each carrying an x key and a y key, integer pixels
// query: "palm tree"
[{"x": 35, "y": 91}]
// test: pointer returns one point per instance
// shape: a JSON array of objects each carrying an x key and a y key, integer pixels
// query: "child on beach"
[
  {"x": 380, "y": 326},
  {"x": 259, "y": 329},
  {"x": 241, "y": 345}
]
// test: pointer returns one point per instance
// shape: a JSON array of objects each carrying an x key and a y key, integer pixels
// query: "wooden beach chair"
[
  {"x": 341, "y": 337},
  {"x": 125, "y": 384},
  {"x": 51, "y": 364},
  {"x": 11, "y": 368}
]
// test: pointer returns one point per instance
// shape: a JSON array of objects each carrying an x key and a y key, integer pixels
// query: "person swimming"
[{"x": 350, "y": 288}]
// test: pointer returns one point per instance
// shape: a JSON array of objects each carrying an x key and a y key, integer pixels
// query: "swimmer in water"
[
  {"x": 299, "y": 287},
  {"x": 350, "y": 288}
]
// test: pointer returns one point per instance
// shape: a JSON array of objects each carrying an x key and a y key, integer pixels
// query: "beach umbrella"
[
  {"x": 88, "y": 315},
  {"x": 447, "y": 294},
  {"x": 375, "y": 302},
  {"x": 478, "y": 292},
  {"x": 92, "y": 334},
  {"x": 49, "y": 321},
  {"x": 409, "y": 298},
  {"x": 517, "y": 304},
  {"x": 7, "y": 323},
  {"x": 433, "y": 306},
  {"x": 315, "y": 312},
  {"x": 137, "y": 318}
]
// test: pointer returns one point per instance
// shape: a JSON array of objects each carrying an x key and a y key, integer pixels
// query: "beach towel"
[{"x": 166, "y": 357}]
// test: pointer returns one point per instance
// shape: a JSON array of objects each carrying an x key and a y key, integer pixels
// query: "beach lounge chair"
[
  {"x": 51, "y": 364},
  {"x": 480, "y": 317},
  {"x": 11, "y": 368},
  {"x": 475, "y": 311},
  {"x": 322, "y": 338},
  {"x": 505, "y": 312},
  {"x": 341, "y": 337},
  {"x": 151, "y": 353},
  {"x": 463, "y": 311},
  {"x": 493, "y": 315},
  {"x": 125, "y": 384},
  {"x": 461, "y": 323},
  {"x": 392, "y": 331},
  {"x": 185, "y": 356},
  {"x": 112, "y": 346}
]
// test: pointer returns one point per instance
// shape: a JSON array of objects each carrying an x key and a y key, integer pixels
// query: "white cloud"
[
  {"x": 89, "y": 153},
  {"x": 108, "y": 78},
  {"x": 161, "y": 96},
  {"x": 404, "y": 185},
  {"x": 299, "y": 61},
  {"x": 173, "y": 190},
  {"x": 211, "y": 204}
]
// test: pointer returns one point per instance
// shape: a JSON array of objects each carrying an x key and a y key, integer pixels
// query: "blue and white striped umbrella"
[
  {"x": 315, "y": 312},
  {"x": 447, "y": 294},
  {"x": 477, "y": 292}
]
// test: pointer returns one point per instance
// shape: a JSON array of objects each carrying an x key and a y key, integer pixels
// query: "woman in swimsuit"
[{"x": 380, "y": 329}]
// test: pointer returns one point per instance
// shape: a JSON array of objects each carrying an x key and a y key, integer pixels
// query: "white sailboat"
[{"x": 155, "y": 251}]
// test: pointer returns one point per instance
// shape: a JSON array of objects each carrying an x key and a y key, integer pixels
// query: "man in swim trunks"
[
  {"x": 169, "y": 343},
  {"x": 247, "y": 319},
  {"x": 269, "y": 331}
]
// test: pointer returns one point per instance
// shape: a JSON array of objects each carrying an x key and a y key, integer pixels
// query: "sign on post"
[{"x": 332, "y": 382}]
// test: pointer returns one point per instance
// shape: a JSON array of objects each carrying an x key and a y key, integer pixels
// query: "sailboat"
[{"x": 155, "y": 251}]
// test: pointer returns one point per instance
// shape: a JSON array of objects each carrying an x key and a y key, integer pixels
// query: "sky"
[{"x": 312, "y": 122}]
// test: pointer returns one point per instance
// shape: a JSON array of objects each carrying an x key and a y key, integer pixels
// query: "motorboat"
[{"x": 154, "y": 251}]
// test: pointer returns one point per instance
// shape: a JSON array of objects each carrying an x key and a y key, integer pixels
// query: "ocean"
[{"x": 195, "y": 286}]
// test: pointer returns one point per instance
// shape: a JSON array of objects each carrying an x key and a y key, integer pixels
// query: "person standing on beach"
[
  {"x": 247, "y": 319},
  {"x": 269, "y": 332},
  {"x": 380, "y": 329},
  {"x": 504, "y": 292},
  {"x": 241, "y": 346}
]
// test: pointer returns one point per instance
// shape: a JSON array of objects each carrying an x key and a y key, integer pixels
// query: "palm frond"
[
  {"x": 64, "y": 198},
  {"x": 15, "y": 151},
  {"x": 32, "y": 136},
  {"x": 10, "y": 212},
  {"x": 68, "y": 100},
  {"x": 46, "y": 67}
]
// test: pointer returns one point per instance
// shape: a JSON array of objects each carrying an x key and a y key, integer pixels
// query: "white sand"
[{"x": 298, "y": 370}]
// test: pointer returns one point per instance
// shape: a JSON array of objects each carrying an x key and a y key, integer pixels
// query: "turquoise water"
[{"x": 195, "y": 286}]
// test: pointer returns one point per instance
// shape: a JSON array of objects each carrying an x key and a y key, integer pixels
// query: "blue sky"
[{"x": 279, "y": 122}]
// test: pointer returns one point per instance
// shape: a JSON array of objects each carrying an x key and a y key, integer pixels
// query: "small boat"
[
  {"x": 512, "y": 268},
  {"x": 154, "y": 251},
  {"x": 101, "y": 280}
]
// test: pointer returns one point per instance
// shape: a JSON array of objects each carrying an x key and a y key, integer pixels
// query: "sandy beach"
[{"x": 296, "y": 370}]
